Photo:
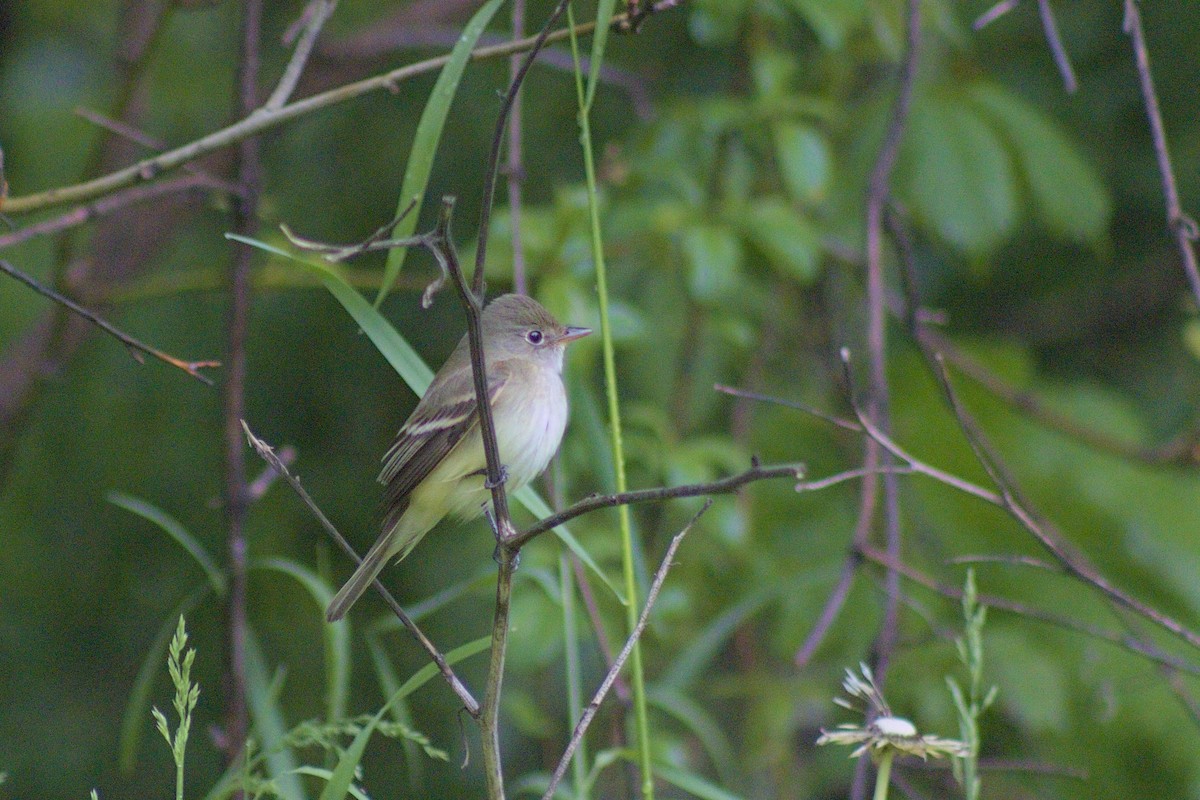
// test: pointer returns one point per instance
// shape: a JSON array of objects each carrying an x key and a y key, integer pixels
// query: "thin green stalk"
[
  {"x": 566, "y": 582},
  {"x": 633, "y": 603},
  {"x": 885, "y": 774}
]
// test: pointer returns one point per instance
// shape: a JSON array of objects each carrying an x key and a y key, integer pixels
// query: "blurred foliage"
[{"x": 733, "y": 221}]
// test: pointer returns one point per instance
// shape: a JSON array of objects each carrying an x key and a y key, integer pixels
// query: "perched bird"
[{"x": 436, "y": 467}]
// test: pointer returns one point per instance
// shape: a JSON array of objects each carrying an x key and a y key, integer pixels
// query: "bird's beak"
[{"x": 572, "y": 333}]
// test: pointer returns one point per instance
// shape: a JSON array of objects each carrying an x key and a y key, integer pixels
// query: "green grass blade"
[
  {"x": 391, "y": 345},
  {"x": 604, "y": 13},
  {"x": 703, "y": 648},
  {"x": 425, "y": 143},
  {"x": 174, "y": 528},
  {"x": 336, "y": 635},
  {"x": 137, "y": 709},
  {"x": 390, "y": 683},
  {"x": 416, "y": 374},
  {"x": 327, "y": 775},
  {"x": 269, "y": 723},
  {"x": 343, "y": 773},
  {"x": 693, "y": 784},
  {"x": 697, "y": 719}
]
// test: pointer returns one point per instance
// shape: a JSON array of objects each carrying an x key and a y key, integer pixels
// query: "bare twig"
[
  {"x": 107, "y": 205},
  {"x": 315, "y": 15},
  {"x": 722, "y": 486},
  {"x": 190, "y": 367},
  {"x": 589, "y": 712},
  {"x": 1127, "y": 641},
  {"x": 265, "y": 452},
  {"x": 493, "y": 165},
  {"x": 994, "y": 13},
  {"x": 1182, "y": 226},
  {"x": 878, "y": 191},
  {"x": 237, "y": 500},
  {"x": 149, "y": 168},
  {"x": 514, "y": 169},
  {"x": 830, "y": 418},
  {"x": 1054, "y": 42}
]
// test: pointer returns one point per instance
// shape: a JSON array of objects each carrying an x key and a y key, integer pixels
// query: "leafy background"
[{"x": 736, "y": 140}]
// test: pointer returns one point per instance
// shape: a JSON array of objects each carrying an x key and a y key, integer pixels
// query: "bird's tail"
[{"x": 368, "y": 570}]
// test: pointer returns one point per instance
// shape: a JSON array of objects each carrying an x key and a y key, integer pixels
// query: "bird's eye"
[{"x": 534, "y": 337}]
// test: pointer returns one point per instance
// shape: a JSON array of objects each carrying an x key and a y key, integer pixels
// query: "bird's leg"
[{"x": 500, "y": 481}]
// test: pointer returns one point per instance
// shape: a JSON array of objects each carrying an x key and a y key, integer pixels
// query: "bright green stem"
[
  {"x": 633, "y": 603},
  {"x": 885, "y": 774},
  {"x": 566, "y": 580},
  {"x": 179, "y": 779}
]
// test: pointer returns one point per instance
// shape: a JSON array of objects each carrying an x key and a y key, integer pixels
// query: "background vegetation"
[{"x": 735, "y": 143}]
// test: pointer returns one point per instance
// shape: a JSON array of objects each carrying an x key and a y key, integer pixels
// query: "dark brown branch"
[
  {"x": 878, "y": 191},
  {"x": 595, "y": 502},
  {"x": 1182, "y": 226},
  {"x": 265, "y": 452},
  {"x": 493, "y": 166},
  {"x": 514, "y": 168},
  {"x": 237, "y": 500},
  {"x": 589, "y": 713},
  {"x": 190, "y": 367}
]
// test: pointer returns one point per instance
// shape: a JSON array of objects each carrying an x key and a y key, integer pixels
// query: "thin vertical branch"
[
  {"x": 493, "y": 167},
  {"x": 1182, "y": 226},
  {"x": 236, "y": 497},
  {"x": 1054, "y": 42},
  {"x": 514, "y": 168},
  {"x": 877, "y": 401}
]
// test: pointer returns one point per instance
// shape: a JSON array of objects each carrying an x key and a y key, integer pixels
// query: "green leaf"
[
  {"x": 1066, "y": 190},
  {"x": 604, "y": 13},
  {"x": 714, "y": 257},
  {"x": 804, "y": 160},
  {"x": 400, "y": 354},
  {"x": 175, "y": 529},
  {"x": 269, "y": 723},
  {"x": 692, "y": 783},
  {"x": 700, "y": 722},
  {"x": 786, "y": 237},
  {"x": 343, "y": 774},
  {"x": 831, "y": 20},
  {"x": 716, "y": 23},
  {"x": 958, "y": 176},
  {"x": 326, "y": 775},
  {"x": 689, "y": 663},
  {"x": 391, "y": 345},
  {"x": 429, "y": 132},
  {"x": 336, "y": 635}
]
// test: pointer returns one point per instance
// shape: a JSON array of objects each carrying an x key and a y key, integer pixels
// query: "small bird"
[{"x": 436, "y": 466}]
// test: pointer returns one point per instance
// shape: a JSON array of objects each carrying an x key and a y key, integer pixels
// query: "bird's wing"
[{"x": 431, "y": 432}]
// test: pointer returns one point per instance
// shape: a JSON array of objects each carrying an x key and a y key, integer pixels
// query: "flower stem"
[{"x": 885, "y": 773}]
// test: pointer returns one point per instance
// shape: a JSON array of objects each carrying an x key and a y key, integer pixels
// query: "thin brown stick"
[
  {"x": 1182, "y": 226},
  {"x": 315, "y": 15},
  {"x": 237, "y": 499},
  {"x": 589, "y": 712},
  {"x": 722, "y": 486},
  {"x": 878, "y": 191},
  {"x": 266, "y": 453},
  {"x": 493, "y": 165},
  {"x": 190, "y": 367},
  {"x": 514, "y": 168},
  {"x": 1132, "y": 643},
  {"x": 1057, "y": 50},
  {"x": 89, "y": 212}
]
